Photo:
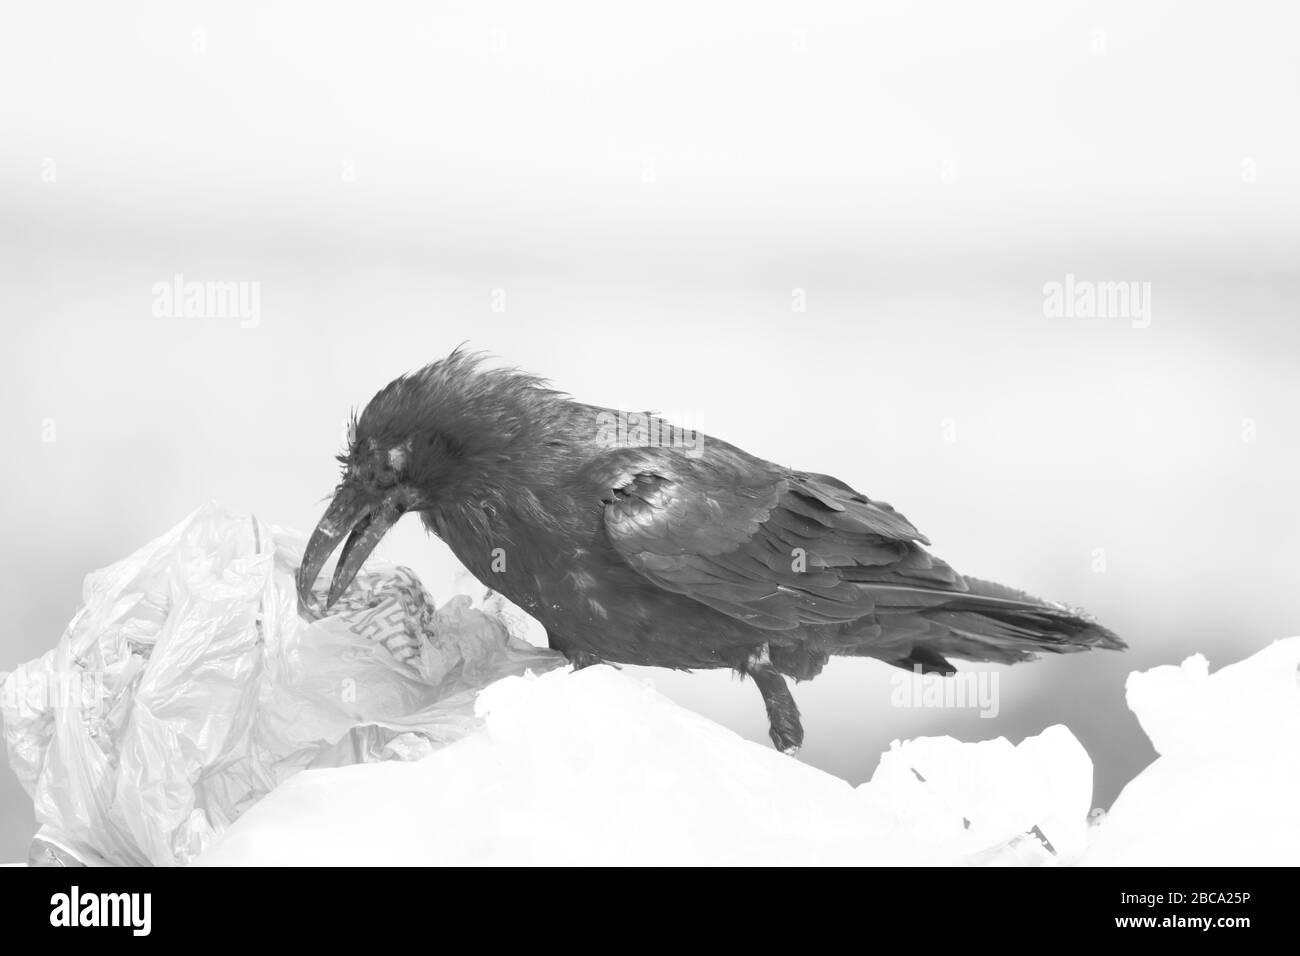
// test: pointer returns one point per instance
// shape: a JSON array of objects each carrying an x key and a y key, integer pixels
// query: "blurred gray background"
[{"x": 637, "y": 202}]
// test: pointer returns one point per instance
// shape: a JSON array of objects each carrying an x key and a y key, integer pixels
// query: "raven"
[{"x": 632, "y": 546}]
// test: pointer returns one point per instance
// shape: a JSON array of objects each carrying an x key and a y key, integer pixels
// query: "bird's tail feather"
[{"x": 921, "y": 627}]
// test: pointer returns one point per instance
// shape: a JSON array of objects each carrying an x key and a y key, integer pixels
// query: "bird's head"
[{"x": 435, "y": 438}]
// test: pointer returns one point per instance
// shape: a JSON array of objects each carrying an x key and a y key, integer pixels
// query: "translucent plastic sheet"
[{"x": 187, "y": 687}]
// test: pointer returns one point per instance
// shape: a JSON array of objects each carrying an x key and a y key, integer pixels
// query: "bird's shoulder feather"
[{"x": 774, "y": 547}]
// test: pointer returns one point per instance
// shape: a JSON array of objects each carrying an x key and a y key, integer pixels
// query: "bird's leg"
[
  {"x": 581, "y": 659},
  {"x": 782, "y": 713},
  {"x": 578, "y": 659}
]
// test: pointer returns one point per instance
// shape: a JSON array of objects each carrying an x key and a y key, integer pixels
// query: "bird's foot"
[
  {"x": 784, "y": 726},
  {"x": 786, "y": 737},
  {"x": 578, "y": 659},
  {"x": 581, "y": 659}
]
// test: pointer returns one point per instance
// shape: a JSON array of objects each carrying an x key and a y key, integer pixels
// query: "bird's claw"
[{"x": 581, "y": 659}]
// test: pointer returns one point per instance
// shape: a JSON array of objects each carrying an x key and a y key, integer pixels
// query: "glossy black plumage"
[{"x": 664, "y": 552}]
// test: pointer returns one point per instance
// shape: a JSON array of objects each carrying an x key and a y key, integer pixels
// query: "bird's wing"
[{"x": 777, "y": 549}]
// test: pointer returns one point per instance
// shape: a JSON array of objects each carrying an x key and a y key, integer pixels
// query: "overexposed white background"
[{"x": 645, "y": 188}]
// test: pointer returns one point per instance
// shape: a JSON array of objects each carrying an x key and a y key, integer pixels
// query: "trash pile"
[{"x": 188, "y": 687}]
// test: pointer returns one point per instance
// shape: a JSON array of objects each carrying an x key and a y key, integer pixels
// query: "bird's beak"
[{"x": 364, "y": 518}]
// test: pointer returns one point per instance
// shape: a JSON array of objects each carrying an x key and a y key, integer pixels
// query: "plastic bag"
[{"x": 187, "y": 687}]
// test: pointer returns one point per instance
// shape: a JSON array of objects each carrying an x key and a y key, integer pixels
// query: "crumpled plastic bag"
[{"x": 187, "y": 687}]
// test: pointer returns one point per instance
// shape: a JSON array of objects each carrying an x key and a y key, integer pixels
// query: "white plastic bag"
[{"x": 187, "y": 687}]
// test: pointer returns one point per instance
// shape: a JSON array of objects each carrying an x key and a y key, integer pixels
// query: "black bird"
[{"x": 633, "y": 542}]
